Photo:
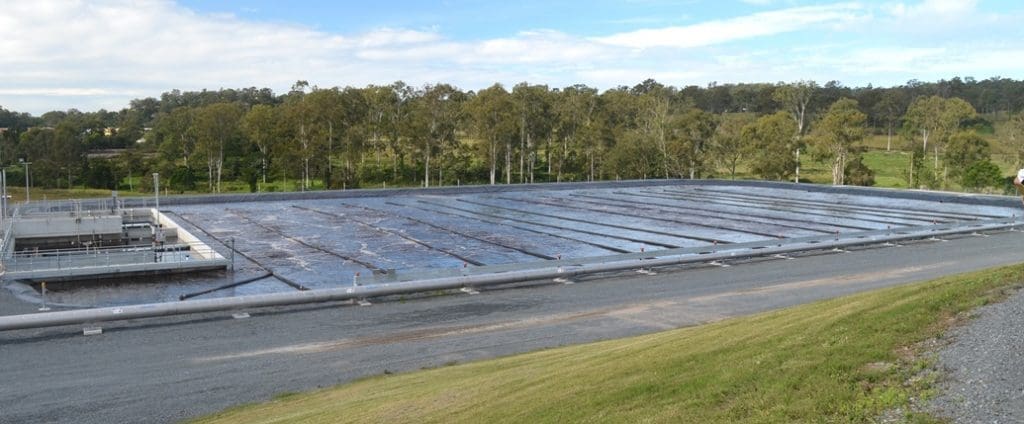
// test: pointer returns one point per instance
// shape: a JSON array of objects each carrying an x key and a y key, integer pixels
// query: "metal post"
[
  {"x": 156, "y": 189},
  {"x": 797, "y": 180},
  {"x": 26, "y": 163},
  {"x": 43, "y": 308},
  {"x": 232, "y": 254},
  {"x": 3, "y": 197}
]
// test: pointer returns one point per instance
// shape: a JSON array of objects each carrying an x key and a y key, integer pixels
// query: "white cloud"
[
  {"x": 932, "y": 9},
  {"x": 55, "y": 91},
  {"x": 744, "y": 27},
  {"x": 58, "y": 54}
]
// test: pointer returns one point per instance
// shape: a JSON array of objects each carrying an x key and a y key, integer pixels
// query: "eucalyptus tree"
[
  {"x": 533, "y": 107},
  {"x": 890, "y": 109},
  {"x": 727, "y": 145},
  {"x": 400, "y": 122},
  {"x": 1013, "y": 132},
  {"x": 297, "y": 124},
  {"x": 324, "y": 108},
  {"x": 380, "y": 101},
  {"x": 616, "y": 113},
  {"x": 352, "y": 114},
  {"x": 492, "y": 120},
  {"x": 690, "y": 139},
  {"x": 769, "y": 141},
  {"x": 176, "y": 134},
  {"x": 654, "y": 115},
  {"x": 338, "y": 116},
  {"x": 68, "y": 152},
  {"x": 936, "y": 119},
  {"x": 574, "y": 112},
  {"x": 794, "y": 99},
  {"x": 35, "y": 146},
  {"x": 964, "y": 150},
  {"x": 634, "y": 155},
  {"x": 437, "y": 115},
  {"x": 836, "y": 134},
  {"x": 260, "y": 125},
  {"x": 217, "y": 125}
]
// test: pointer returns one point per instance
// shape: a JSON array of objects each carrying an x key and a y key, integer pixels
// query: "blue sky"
[{"x": 60, "y": 54}]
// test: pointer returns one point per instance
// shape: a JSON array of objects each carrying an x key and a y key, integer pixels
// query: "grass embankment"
[{"x": 847, "y": 359}]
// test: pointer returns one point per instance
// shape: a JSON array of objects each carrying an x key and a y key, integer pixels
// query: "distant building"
[
  {"x": 110, "y": 131},
  {"x": 104, "y": 153}
]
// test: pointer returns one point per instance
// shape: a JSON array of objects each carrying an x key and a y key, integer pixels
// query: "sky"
[{"x": 88, "y": 55}]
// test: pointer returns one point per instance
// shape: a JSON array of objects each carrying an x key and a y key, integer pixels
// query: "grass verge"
[{"x": 847, "y": 359}]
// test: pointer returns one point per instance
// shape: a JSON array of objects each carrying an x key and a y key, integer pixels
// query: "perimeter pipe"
[{"x": 86, "y": 316}]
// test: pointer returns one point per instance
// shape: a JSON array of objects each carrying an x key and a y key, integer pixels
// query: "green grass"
[
  {"x": 842, "y": 360},
  {"x": 889, "y": 167}
]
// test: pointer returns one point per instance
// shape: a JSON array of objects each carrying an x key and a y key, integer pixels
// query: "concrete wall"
[
  {"x": 66, "y": 226},
  {"x": 938, "y": 196},
  {"x": 184, "y": 236}
]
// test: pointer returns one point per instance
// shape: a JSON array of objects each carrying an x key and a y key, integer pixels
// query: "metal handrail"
[{"x": 103, "y": 257}]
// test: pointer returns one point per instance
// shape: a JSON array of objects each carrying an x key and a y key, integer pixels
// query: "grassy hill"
[{"x": 847, "y": 359}]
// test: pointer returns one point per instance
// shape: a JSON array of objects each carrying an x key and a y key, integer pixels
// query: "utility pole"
[
  {"x": 156, "y": 189},
  {"x": 26, "y": 163}
]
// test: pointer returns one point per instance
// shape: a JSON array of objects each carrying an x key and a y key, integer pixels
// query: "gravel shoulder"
[{"x": 984, "y": 365}]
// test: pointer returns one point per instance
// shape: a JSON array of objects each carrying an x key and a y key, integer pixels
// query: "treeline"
[{"x": 319, "y": 138}]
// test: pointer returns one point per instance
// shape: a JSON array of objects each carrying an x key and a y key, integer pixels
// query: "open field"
[
  {"x": 847, "y": 359},
  {"x": 889, "y": 167}
]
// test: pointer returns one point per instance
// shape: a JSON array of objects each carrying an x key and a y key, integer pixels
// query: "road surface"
[{"x": 169, "y": 369}]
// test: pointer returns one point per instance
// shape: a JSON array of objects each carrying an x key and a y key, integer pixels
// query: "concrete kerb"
[{"x": 50, "y": 319}]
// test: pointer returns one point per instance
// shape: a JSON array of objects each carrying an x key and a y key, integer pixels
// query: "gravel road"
[{"x": 985, "y": 366}]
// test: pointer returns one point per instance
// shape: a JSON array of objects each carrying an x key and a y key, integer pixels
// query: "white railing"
[{"x": 182, "y": 254}]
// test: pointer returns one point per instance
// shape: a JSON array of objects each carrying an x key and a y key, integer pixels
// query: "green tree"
[
  {"x": 492, "y": 120},
  {"x": 654, "y": 117},
  {"x": 260, "y": 125},
  {"x": 182, "y": 178},
  {"x": 936, "y": 119},
  {"x": 533, "y": 105},
  {"x": 963, "y": 151},
  {"x": 100, "y": 174},
  {"x": 297, "y": 125},
  {"x": 728, "y": 145},
  {"x": 176, "y": 134},
  {"x": 981, "y": 175},
  {"x": 380, "y": 101},
  {"x": 575, "y": 109},
  {"x": 890, "y": 109},
  {"x": 1013, "y": 132},
  {"x": 771, "y": 145},
  {"x": 217, "y": 125},
  {"x": 635, "y": 155},
  {"x": 690, "y": 138},
  {"x": 795, "y": 99},
  {"x": 836, "y": 134},
  {"x": 857, "y": 173},
  {"x": 436, "y": 116}
]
